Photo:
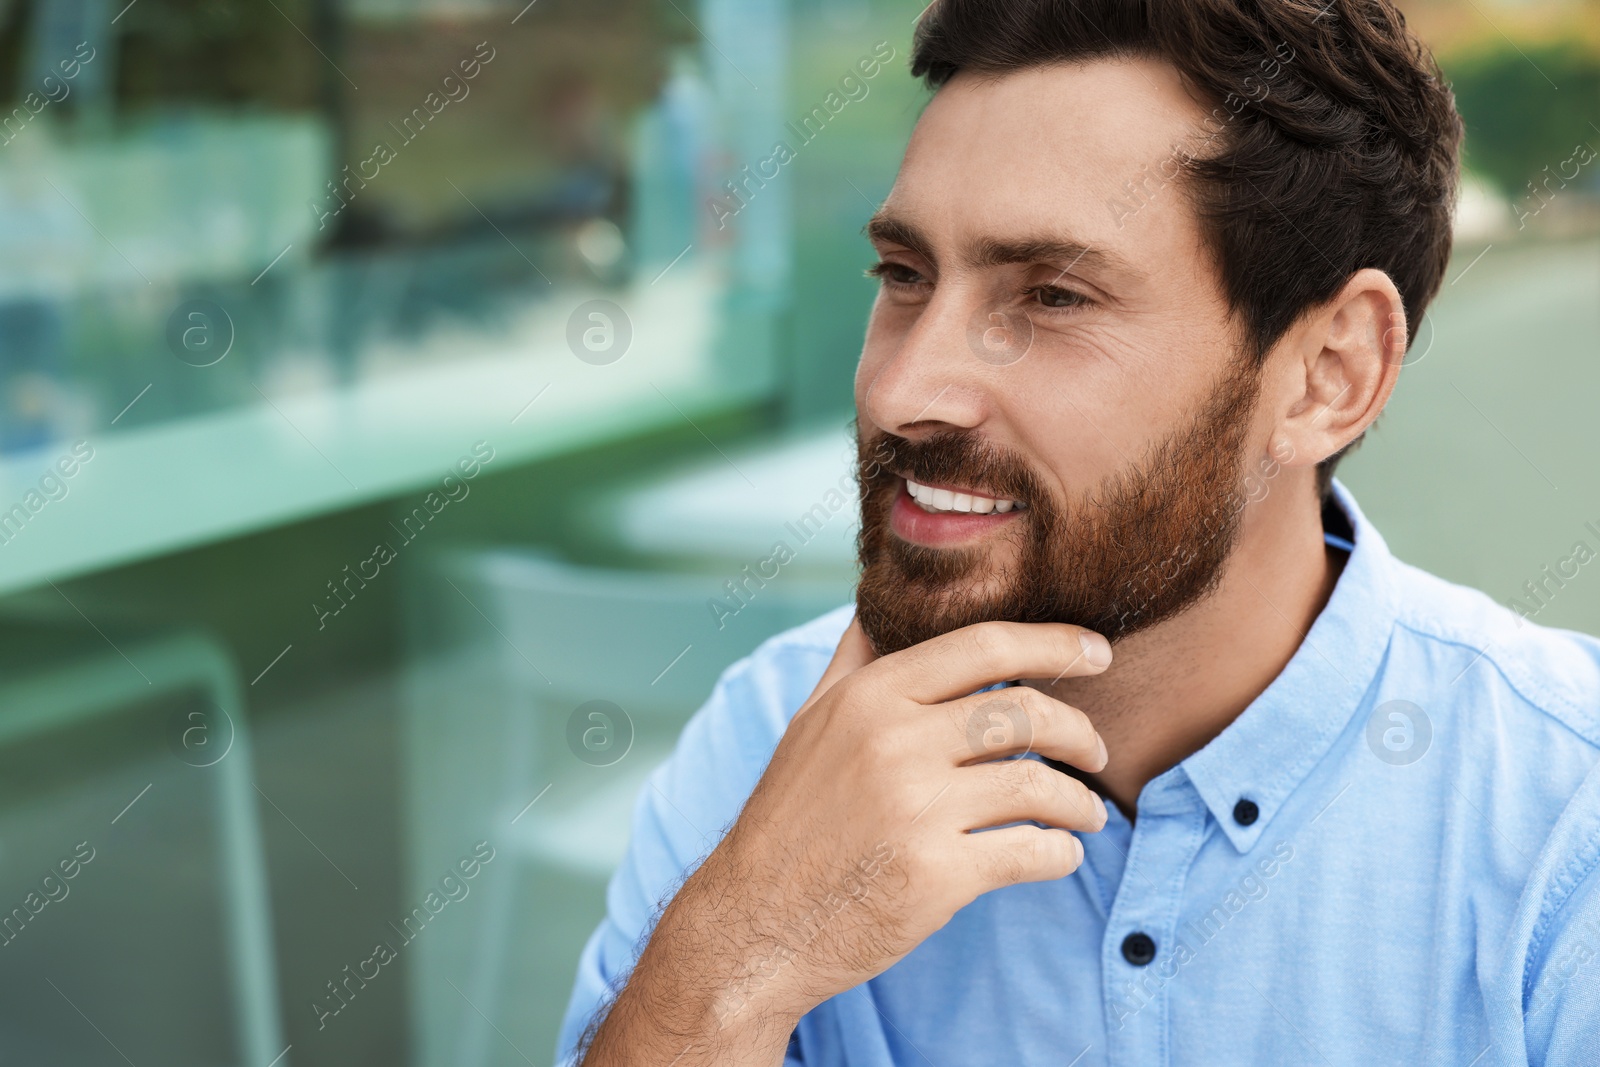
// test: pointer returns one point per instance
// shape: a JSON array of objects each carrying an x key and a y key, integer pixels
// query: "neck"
[{"x": 1176, "y": 685}]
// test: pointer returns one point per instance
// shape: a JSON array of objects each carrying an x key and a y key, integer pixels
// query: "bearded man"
[{"x": 1137, "y": 746}]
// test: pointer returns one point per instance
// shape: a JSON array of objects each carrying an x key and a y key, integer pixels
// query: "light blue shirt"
[{"x": 1418, "y": 884}]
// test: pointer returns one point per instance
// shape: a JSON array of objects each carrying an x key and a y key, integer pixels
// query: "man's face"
[{"x": 1050, "y": 366}]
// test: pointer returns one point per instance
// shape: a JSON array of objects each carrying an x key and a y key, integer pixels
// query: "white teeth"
[{"x": 949, "y": 500}]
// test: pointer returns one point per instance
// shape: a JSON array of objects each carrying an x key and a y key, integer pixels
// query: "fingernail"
[
  {"x": 1096, "y": 649},
  {"x": 1100, "y": 806},
  {"x": 1104, "y": 758}
]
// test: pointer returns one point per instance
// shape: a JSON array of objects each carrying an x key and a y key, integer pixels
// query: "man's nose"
[{"x": 941, "y": 372}]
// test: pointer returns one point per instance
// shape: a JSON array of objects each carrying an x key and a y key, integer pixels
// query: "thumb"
[{"x": 853, "y": 653}]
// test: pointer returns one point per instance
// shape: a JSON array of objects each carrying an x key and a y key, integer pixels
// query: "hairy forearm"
[
  {"x": 684, "y": 1003},
  {"x": 651, "y": 1023}
]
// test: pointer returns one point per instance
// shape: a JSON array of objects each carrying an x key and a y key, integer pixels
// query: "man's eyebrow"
[
  {"x": 995, "y": 252},
  {"x": 888, "y": 229}
]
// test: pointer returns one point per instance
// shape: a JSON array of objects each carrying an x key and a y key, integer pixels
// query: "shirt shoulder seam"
[{"x": 1549, "y": 702}]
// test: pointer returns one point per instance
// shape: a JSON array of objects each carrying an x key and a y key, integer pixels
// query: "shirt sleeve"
[
  {"x": 1561, "y": 1020},
  {"x": 686, "y": 806}
]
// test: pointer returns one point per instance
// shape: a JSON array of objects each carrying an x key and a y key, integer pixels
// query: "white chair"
[
  {"x": 508, "y": 644},
  {"x": 56, "y": 682}
]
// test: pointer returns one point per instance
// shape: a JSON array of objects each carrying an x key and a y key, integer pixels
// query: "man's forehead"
[
  {"x": 1104, "y": 103},
  {"x": 1063, "y": 155}
]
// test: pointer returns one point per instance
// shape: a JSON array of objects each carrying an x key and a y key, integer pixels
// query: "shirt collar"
[{"x": 1265, "y": 753}]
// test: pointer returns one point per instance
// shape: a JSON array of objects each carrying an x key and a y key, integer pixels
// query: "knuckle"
[
  {"x": 1069, "y": 644},
  {"x": 1081, "y": 720},
  {"x": 1039, "y": 850},
  {"x": 1070, "y": 800},
  {"x": 1050, "y": 850},
  {"x": 1039, "y": 780},
  {"x": 1066, "y": 853},
  {"x": 849, "y": 694},
  {"x": 1039, "y": 709},
  {"x": 881, "y": 742},
  {"x": 989, "y": 640},
  {"x": 1018, "y": 780},
  {"x": 1077, "y": 728},
  {"x": 1038, "y": 854},
  {"x": 835, "y": 705},
  {"x": 1083, "y": 804},
  {"x": 1060, "y": 721},
  {"x": 995, "y": 723},
  {"x": 1046, "y": 851}
]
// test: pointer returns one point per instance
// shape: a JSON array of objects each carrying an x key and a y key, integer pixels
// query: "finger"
[
  {"x": 961, "y": 661},
  {"x": 993, "y": 794},
  {"x": 1019, "y": 719},
  {"x": 853, "y": 652},
  {"x": 997, "y": 858}
]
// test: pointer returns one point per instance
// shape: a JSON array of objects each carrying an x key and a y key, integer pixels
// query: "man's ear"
[{"x": 1344, "y": 359}]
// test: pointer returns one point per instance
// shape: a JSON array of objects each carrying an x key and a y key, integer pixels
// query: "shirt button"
[
  {"x": 1138, "y": 949},
  {"x": 1245, "y": 812}
]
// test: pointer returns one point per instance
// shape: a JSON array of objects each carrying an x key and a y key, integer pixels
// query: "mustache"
[{"x": 950, "y": 457}]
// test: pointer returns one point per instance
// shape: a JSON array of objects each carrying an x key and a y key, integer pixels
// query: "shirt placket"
[{"x": 1138, "y": 955}]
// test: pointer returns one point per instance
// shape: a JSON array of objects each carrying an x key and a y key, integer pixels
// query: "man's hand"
[{"x": 855, "y": 846}]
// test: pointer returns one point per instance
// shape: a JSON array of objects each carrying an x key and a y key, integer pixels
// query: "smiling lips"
[{"x": 949, "y": 515}]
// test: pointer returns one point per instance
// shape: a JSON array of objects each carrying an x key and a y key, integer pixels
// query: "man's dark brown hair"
[{"x": 1333, "y": 137}]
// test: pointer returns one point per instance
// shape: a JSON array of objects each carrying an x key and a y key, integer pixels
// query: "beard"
[{"x": 1144, "y": 545}]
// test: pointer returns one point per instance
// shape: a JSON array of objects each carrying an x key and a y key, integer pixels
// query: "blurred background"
[{"x": 402, "y": 403}]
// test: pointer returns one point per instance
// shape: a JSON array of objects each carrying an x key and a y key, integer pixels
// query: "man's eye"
[
  {"x": 1051, "y": 296},
  {"x": 894, "y": 273}
]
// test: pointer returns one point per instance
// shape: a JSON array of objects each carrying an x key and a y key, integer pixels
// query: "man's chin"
[{"x": 897, "y": 612}]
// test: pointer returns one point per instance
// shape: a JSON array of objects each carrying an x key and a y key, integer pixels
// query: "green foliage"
[{"x": 1525, "y": 107}]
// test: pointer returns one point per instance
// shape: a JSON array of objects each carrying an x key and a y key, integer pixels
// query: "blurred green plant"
[{"x": 1525, "y": 107}]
